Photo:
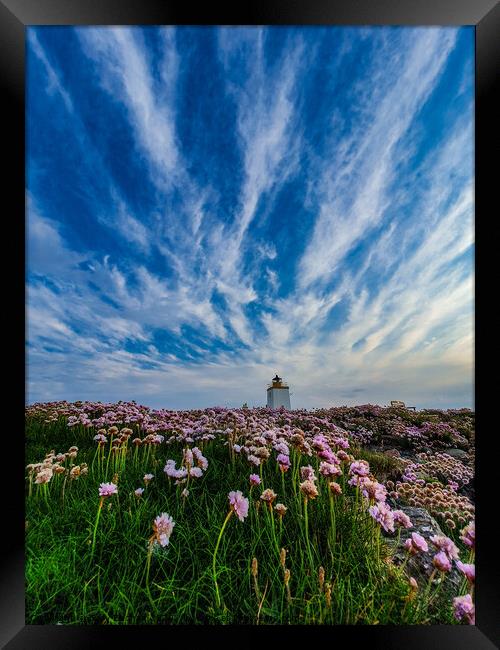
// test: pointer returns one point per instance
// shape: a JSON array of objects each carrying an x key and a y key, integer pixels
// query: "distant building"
[
  {"x": 396, "y": 403},
  {"x": 278, "y": 394}
]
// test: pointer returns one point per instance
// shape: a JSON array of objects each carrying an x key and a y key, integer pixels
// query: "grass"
[
  {"x": 67, "y": 583},
  {"x": 384, "y": 467}
]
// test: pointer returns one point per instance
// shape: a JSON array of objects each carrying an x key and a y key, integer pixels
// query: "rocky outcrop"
[
  {"x": 420, "y": 566},
  {"x": 457, "y": 453}
]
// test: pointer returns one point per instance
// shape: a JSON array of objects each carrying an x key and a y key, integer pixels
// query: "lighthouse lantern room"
[{"x": 278, "y": 394}]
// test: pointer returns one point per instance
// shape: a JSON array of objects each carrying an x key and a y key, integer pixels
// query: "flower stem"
[
  {"x": 332, "y": 521},
  {"x": 306, "y": 522},
  {"x": 148, "y": 566},
  {"x": 101, "y": 502},
  {"x": 215, "y": 555}
]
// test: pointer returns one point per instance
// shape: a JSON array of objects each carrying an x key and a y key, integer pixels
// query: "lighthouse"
[{"x": 278, "y": 394}]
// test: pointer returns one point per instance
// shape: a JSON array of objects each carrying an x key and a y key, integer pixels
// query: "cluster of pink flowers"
[
  {"x": 372, "y": 490},
  {"x": 446, "y": 545},
  {"x": 401, "y": 519},
  {"x": 329, "y": 469},
  {"x": 283, "y": 461},
  {"x": 468, "y": 535},
  {"x": 438, "y": 499},
  {"x": 357, "y": 470},
  {"x": 107, "y": 489},
  {"x": 307, "y": 473},
  {"x": 416, "y": 544},
  {"x": 441, "y": 561},
  {"x": 337, "y": 425},
  {"x": 443, "y": 467},
  {"x": 469, "y": 571},
  {"x": 54, "y": 464},
  {"x": 239, "y": 504},
  {"x": 383, "y": 515},
  {"x": 163, "y": 526},
  {"x": 464, "y": 609},
  {"x": 254, "y": 479},
  {"x": 194, "y": 464},
  {"x": 268, "y": 496},
  {"x": 309, "y": 489}
]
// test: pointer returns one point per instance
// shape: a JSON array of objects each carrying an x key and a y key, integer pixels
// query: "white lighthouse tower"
[{"x": 278, "y": 394}]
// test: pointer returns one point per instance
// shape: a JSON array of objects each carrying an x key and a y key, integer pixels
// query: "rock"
[
  {"x": 420, "y": 566},
  {"x": 457, "y": 453},
  {"x": 393, "y": 452}
]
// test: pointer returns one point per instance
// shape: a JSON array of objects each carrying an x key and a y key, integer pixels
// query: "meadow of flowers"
[{"x": 246, "y": 516}]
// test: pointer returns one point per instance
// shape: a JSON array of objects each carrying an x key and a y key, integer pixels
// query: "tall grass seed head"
[{"x": 321, "y": 577}]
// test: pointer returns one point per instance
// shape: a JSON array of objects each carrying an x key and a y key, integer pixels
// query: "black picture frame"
[{"x": 15, "y": 15}]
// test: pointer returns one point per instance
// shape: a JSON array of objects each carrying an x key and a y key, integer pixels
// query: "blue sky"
[{"x": 209, "y": 206}]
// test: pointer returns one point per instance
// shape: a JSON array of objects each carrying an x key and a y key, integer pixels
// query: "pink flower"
[
  {"x": 468, "y": 536},
  {"x": 147, "y": 478},
  {"x": 138, "y": 492},
  {"x": 464, "y": 609},
  {"x": 44, "y": 475},
  {"x": 335, "y": 488},
  {"x": 197, "y": 472},
  {"x": 163, "y": 526},
  {"x": 268, "y": 495},
  {"x": 283, "y": 459},
  {"x": 441, "y": 561},
  {"x": 445, "y": 544},
  {"x": 360, "y": 468},
  {"x": 401, "y": 519},
  {"x": 469, "y": 571},
  {"x": 307, "y": 473},
  {"x": 308, "y": 489},
  {"x": 383, "y": 515},
  {"x": 200, "y": 459},
  {"x": 107, "y": 489},
  {"x": 239, "y": 504},
  {"x": 416, "y": 543},
  {"x": 280, "y": 509},
  {"x": 373, "y": 490},
  {"x": 254, "y": 479},
  {"x": 329, "y": 469}
]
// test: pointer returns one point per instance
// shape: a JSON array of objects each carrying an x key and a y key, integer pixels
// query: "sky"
[{"x": 209, "y": 206}]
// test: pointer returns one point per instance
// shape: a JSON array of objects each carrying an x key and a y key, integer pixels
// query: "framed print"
[{"x": 251, "y": 325}]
